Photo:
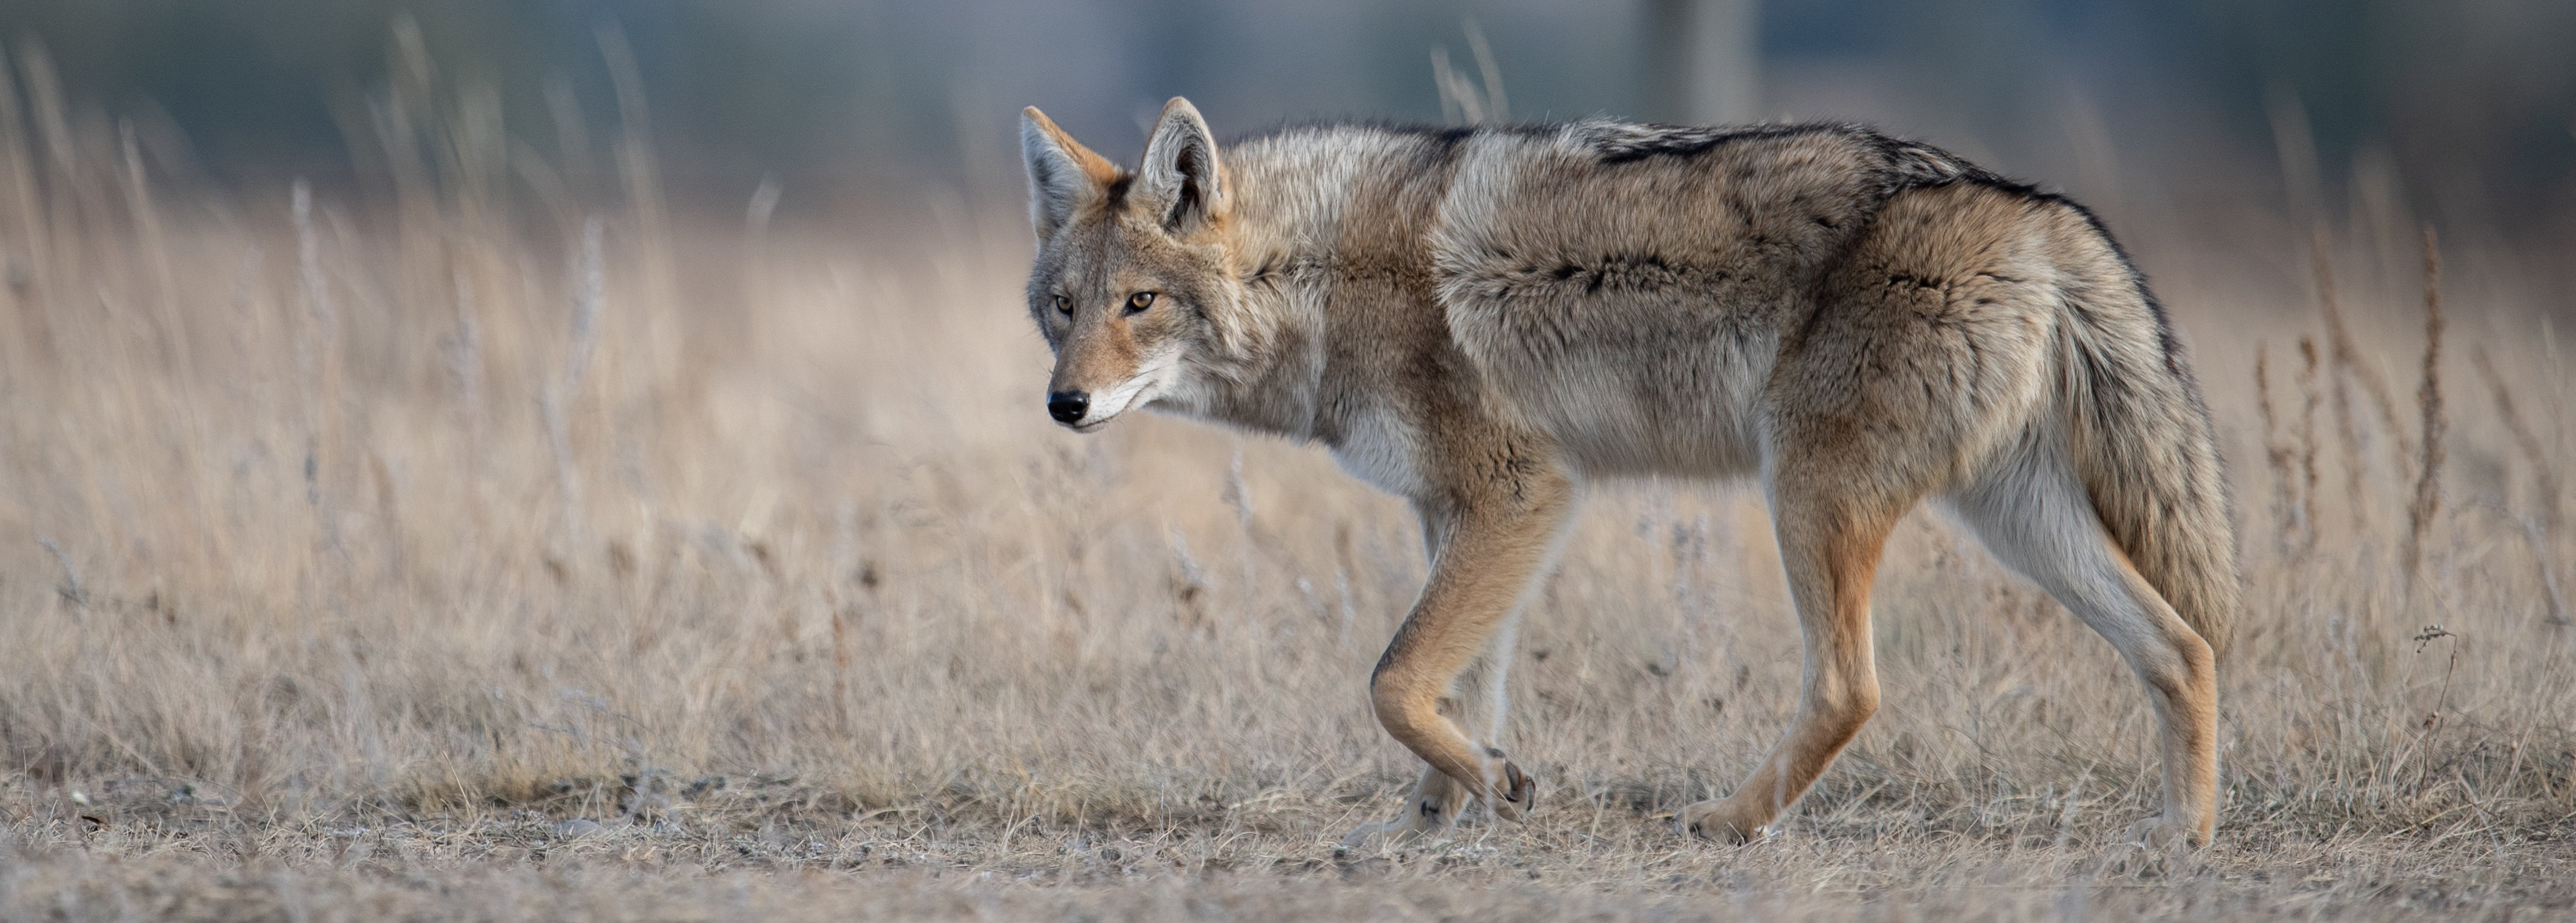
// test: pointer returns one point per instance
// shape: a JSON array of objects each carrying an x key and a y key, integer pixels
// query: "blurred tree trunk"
[{"x": 1703, "y": 61}]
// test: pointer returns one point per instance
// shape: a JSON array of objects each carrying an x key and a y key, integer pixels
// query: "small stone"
[{"x": 577, "y": 828}]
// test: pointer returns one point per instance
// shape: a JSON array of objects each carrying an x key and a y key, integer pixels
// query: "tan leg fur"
[
  {"x": 1831, "y": 551},
  {"x": 1490, "y": 550}
]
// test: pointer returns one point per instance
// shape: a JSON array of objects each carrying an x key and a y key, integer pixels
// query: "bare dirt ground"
[{"x": 478, "y": 558}]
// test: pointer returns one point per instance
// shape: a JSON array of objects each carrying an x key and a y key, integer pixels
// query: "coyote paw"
[
  {"x": 1387, "y": 832},
  {"x": 1722, "y": 822},
  {"x": 2165, "y": 834},
  {"x": 1425, "y": 816},
  {"x": 1513, "y": 801},
  {"x": 1433, "y": 807},
  {"x": 1414, "y": 827},
  {"x": 2152, "y": 848}
]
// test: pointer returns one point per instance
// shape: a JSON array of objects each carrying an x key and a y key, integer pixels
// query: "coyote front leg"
[
  {"x": 1489, "y": 551},
  {"x": 1437, "y": 799}
]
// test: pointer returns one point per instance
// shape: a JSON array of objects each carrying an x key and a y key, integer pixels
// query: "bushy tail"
[{"x": 2145, "y": 450}]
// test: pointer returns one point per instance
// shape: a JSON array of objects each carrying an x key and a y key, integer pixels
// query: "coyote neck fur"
[{"x": 1332, "y": 269}]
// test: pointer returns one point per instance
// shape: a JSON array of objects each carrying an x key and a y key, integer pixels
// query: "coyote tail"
[{"x": 2145, "y": 449}]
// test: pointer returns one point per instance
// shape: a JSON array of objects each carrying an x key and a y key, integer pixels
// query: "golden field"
[{"x": 507, "y": 544}]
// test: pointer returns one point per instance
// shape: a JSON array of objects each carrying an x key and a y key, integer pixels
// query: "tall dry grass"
[{"x": 519, "y": 498}]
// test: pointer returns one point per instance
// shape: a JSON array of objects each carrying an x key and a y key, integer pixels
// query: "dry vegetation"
[{"x": 485, "y": 555}]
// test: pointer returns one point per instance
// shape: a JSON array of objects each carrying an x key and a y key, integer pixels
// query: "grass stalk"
[
  {"x": 2309, "y": 399},
  {"x": 2277, "y": 453},
  {"x": 172, "y": 326},
  {"x": 2427, "y": 502},
  {"x": 2548, "y": 488},
  {"x": 31, "y": 290},
  {"x": 2347, "y": 356},
  {"x": 590, "y": 283}
]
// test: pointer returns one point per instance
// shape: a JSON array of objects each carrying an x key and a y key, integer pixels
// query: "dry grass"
[{"x": 358, "y": 562}]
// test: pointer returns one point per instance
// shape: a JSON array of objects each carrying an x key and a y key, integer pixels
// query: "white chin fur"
[{"x": 1134, "y": 392}]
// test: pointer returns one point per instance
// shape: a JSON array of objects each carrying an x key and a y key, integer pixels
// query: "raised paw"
[
  {"x": 1721, "y": 822},
  {"x": 1516, "y": 793}
]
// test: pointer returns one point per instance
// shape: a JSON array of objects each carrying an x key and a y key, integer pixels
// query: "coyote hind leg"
[
  {"x": 2037, "y": 518},
  {"x": 1830, "y": 548}
]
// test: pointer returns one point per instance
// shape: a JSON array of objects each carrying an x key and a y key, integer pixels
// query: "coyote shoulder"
[{"x": 1483, "y": 320}]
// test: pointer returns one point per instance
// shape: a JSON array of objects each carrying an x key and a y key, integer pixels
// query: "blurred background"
[{"x": 2464, "y": 112}]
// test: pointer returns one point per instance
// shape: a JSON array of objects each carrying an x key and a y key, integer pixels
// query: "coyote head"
[{"x": 1132, "y": 272}]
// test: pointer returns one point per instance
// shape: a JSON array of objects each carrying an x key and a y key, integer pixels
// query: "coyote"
[{"x": 1483, "y": 320}]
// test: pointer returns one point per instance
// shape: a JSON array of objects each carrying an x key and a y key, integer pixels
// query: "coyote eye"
[
  {"x": 1063, "y": 305},
  {"x": 1139, "y": 302}
]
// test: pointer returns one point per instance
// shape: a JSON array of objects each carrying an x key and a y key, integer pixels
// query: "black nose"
[{"x": 1068, "y": 406}]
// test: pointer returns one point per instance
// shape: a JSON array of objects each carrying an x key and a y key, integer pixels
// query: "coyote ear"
[
  {"x": 1063, "y": 175},
  {"x": 1181, "y": 177}
]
